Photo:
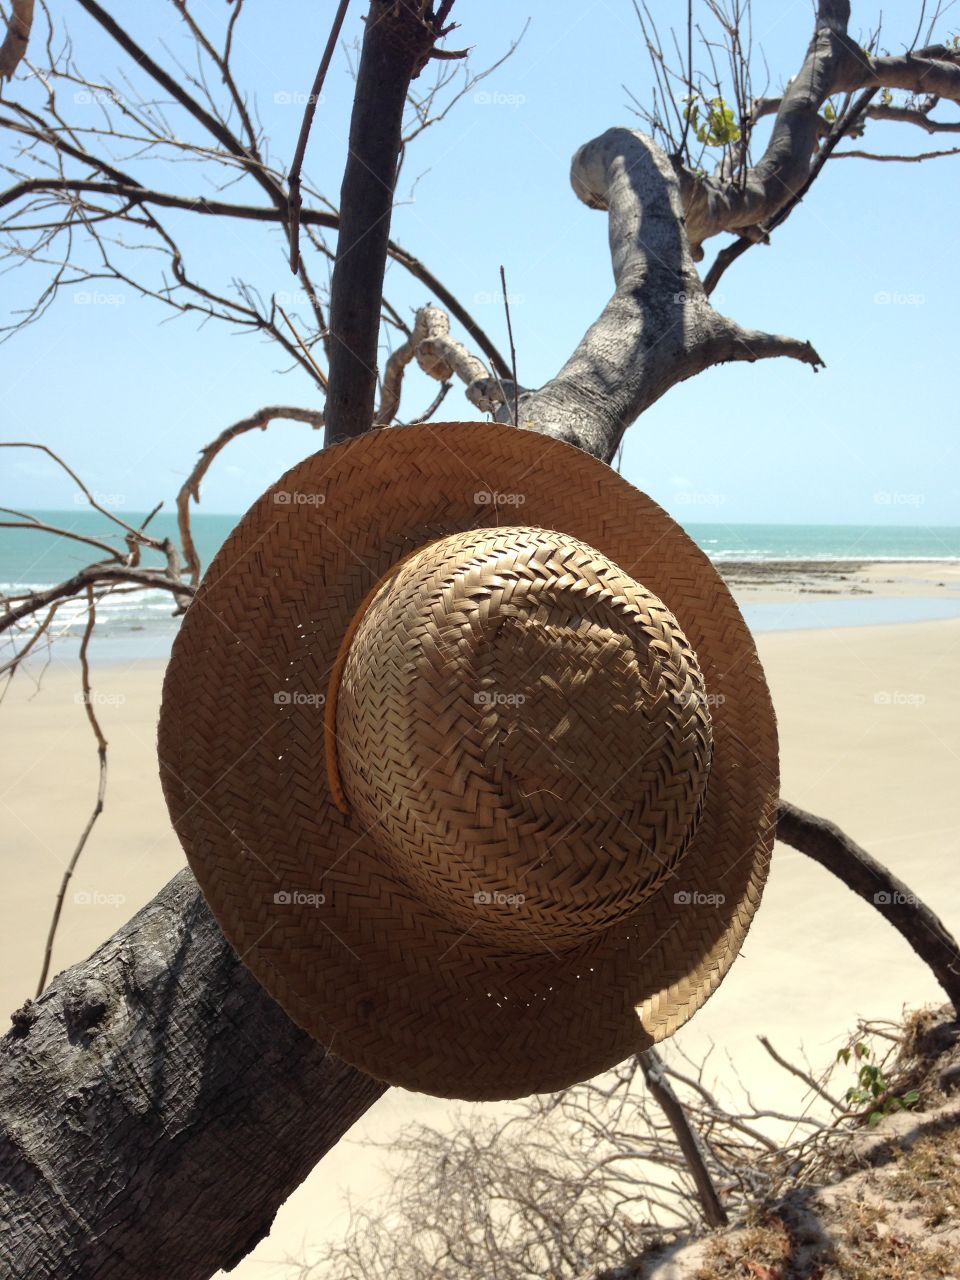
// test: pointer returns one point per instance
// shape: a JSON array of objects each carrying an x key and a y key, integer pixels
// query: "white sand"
[{"x": 869, "y": 737}]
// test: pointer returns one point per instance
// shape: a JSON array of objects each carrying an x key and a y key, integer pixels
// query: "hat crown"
[{"x": 525, "y": 730}]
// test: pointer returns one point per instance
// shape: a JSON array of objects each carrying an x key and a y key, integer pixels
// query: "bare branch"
[
  {"x": 659, "y": 1086},
  {"x": 293, "y": 180},
  {"x": 134, "y": 195},
  {"x": 101, "y": 788},
  {"x": 800, "y": 1074},
  {"x": 157, "y": 543},
  {"x": 832, "y": 848},
  {"x": 190, "y": 489},
  {"x": 17, "y": 608},
  {"x": 17, "y": 38},
  {"x": 908, "y": 159},
  {"x": 174, "y": 87}
]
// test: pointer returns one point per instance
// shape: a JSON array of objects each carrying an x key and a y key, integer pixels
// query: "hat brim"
[{"x": 302, "y": 892}]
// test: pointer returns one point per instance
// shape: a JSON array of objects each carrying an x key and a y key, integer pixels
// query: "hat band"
[{"x": 331, "y": 759}]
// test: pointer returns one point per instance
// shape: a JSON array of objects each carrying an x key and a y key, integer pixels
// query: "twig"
[
  {"x": 841, "y": 130},
  {"x": 321, "y": 376},
  {"x": 293, "y": 181},
  {"x": 156, "y": 543},
  {"x": 9, "y": 668},
  {"x": 914, "y": 159},
  {"x": 101, "y": 574},
  {"x": 191, "y": 486},
  {"x": 433, "y": 406},
  {"x": 513, "y": 350},
  {"x": 135, "y": 195},
  {"x": 101, "y": 788},
  {"x": 799, "y": 1073},
  {"x": 26, "y": 521}
]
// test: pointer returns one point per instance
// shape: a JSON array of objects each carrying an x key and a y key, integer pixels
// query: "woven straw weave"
[{"x": 552, "y": 734}]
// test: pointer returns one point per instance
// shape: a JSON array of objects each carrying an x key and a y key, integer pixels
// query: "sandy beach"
[{"x": 868, "y": 720}]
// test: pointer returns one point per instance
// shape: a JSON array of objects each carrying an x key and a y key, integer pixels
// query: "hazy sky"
[{"x": 865, "y": 269}]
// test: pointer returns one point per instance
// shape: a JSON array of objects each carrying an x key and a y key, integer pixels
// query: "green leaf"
[{"x": 718, "y": 127}]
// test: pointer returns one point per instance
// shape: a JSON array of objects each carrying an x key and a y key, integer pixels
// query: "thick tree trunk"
[{"x": 157, "y": 1107}]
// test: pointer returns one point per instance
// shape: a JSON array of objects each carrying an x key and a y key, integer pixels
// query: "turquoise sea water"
[{"x": 30, "y": 559}]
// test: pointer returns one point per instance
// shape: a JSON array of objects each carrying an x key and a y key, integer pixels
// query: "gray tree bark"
[{"x": 157, "y": 1107}]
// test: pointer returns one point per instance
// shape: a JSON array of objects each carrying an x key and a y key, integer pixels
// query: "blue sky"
[{"x": 865, "y": 269}]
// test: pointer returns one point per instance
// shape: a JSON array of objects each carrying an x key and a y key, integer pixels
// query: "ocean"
[{"x": 139, "y": 623}]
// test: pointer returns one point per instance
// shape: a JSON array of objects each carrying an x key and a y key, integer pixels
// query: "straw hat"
[{"x": 470, "y": 750}]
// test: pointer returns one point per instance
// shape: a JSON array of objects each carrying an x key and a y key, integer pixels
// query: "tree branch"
[
  {"x": 101, "y": 788},
  {"x": 440, "y": 357},
  {"x": 658, "y": 328},
  {"x": 175, "y": 88},
  {"x": 834, "y": 63},
  {"x": 293, "y": 179},
  {"x": 869, "y": 879},
  {"x": 95, "y": 575},
  {"x": 190, "y": 489},
  {"x": 398, "y": 40},
  {"x": 135, "y": 194},
  {"x": 911, "y": 159},
  {"x": 17, "y": 38},
  {"x": 662, "y": 1090}
]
